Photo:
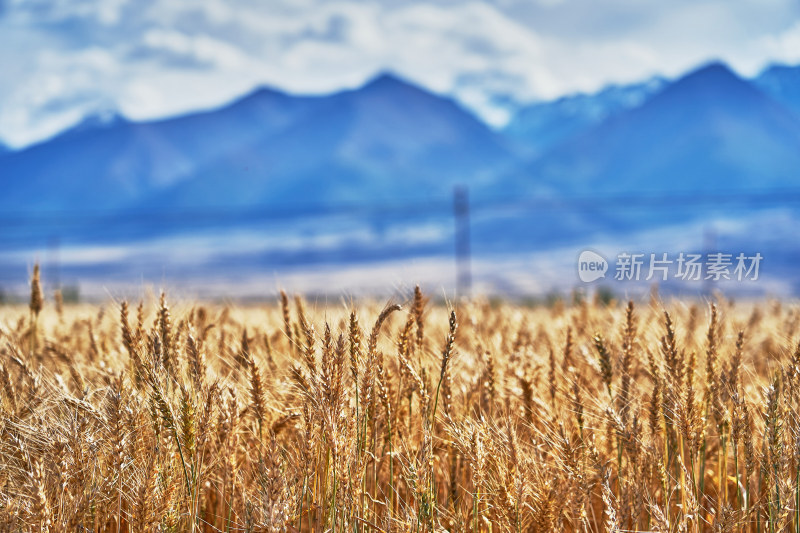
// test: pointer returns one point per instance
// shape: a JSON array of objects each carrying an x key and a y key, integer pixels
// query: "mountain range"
[
  {"x": 781, "y": 82},
  {"x": 709, "y": 131},
  {"x": 392, "y": 141},
  {"x": 539, "y": 126},
  {"x": 386, "y": 140},
  {"x": 397, "y": 151}
]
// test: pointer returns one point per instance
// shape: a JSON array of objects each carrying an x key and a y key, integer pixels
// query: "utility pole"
[
  {"x": 54, "y": 261},
  {"x": 709, "y": 245},
  {"x": 463, "y": 260}
]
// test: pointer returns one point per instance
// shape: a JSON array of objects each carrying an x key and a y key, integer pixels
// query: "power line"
[{"x": 462, "y": 244}]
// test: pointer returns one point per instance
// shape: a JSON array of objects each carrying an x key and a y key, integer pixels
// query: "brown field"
[{"x": 482, "y": 417}]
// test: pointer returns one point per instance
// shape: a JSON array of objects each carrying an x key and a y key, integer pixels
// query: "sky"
[{"x": 62, "y": 60}]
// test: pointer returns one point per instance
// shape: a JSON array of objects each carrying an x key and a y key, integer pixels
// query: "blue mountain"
[
  {"x": 391, "y": 144},
  {"x": 540, "y": 126},
  {"x": 386, "y": 140},
  {"x": 108, "y": 162},
  {"x": 99, "y": 119},
  {"x": 782, "y": 82},
  {"x": 710, "y": 131}
]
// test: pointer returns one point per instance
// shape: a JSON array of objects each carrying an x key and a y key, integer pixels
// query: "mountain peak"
[
  {"x": 780, "y": 69},
  {"x": 711, "y": 82},
  {"x": 389, "y": 81},
  {"x": 715, "y": 72},
  {"x": 782, "y": 83},
  {"x": 263, "y": 92},
  {"x": 102, "y": 118}
]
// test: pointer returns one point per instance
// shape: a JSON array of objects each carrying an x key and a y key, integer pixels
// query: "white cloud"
[
  {"x": 200, "y": 50},
  {"x": 63, "y": 58},
  {"x": 785, "y": 46}
]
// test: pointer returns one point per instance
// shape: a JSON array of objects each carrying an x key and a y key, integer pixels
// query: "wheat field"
[{"x": 412, "y": 416}]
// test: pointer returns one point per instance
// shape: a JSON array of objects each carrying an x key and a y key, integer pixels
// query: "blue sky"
[{"x": 63, "y": 59}]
